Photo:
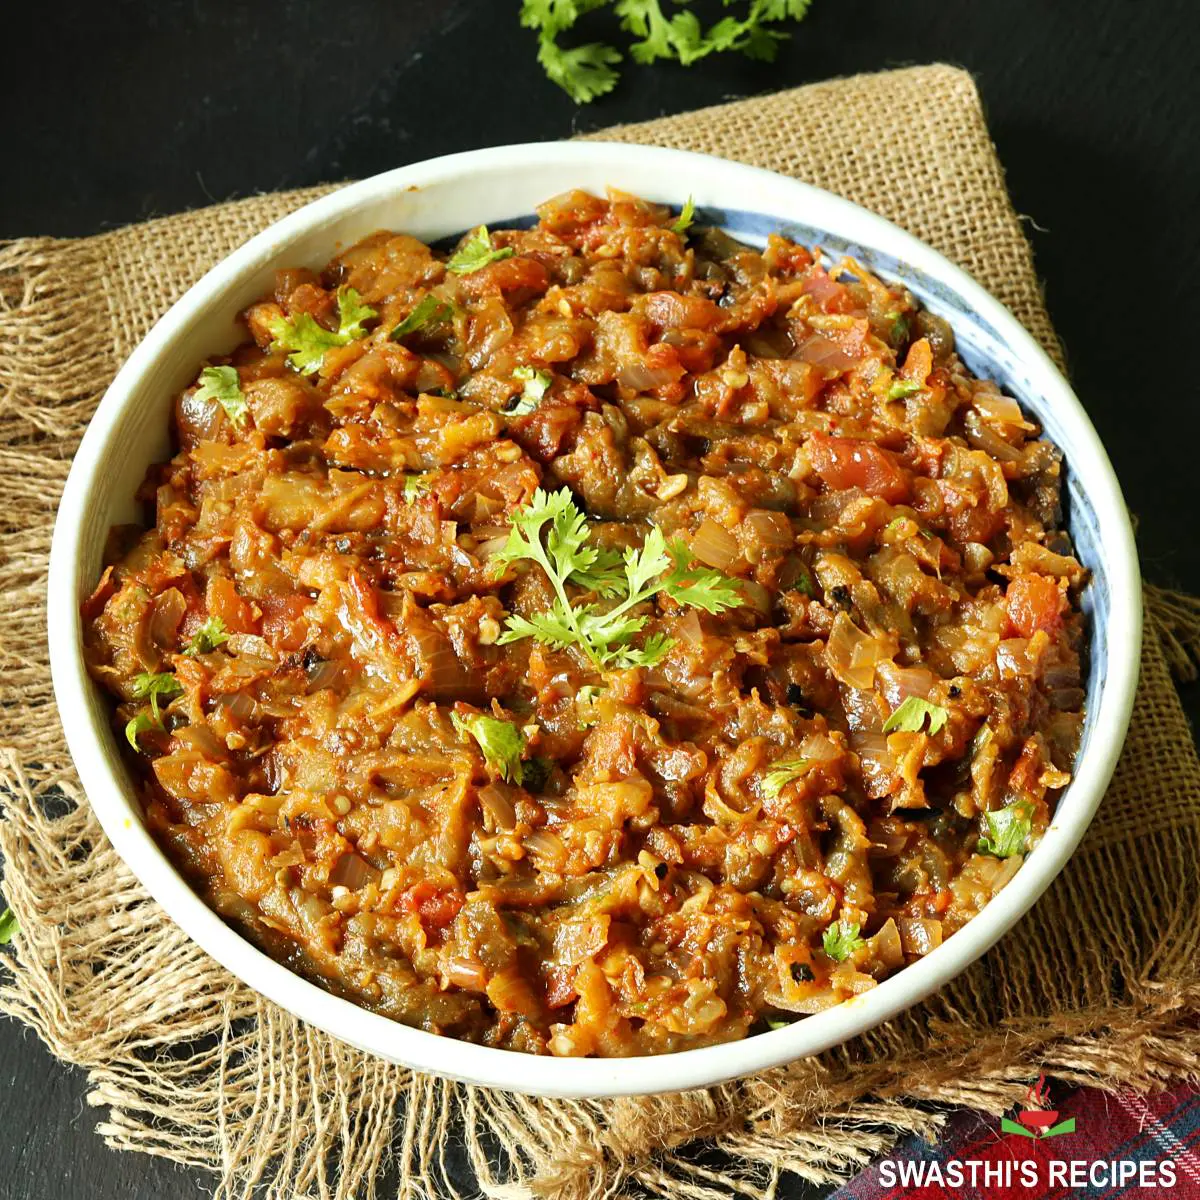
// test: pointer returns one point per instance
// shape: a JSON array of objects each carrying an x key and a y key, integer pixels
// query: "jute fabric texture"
[{"x": 1098, "y": 984}]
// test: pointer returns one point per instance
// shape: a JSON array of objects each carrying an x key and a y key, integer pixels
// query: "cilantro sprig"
[
  {"x": 501, "y": 742},
  {"x": 477, "y": 252},
  {"x": 605, "y": 636},
  {"x": 841, "y": 940},
  {"x": 153, "y": 687},
  {"x": 1009, "y": 831},
  {"x": 902, "y": 388},
  {"x": 430, "y": 311},
  {"x": 588, "y": 71},
  {"x": 910, "y": 716},
  {"x": 223, "y": 385},
  {"x": 208, "y": 637},
  {"x": 307, "y": 342}
]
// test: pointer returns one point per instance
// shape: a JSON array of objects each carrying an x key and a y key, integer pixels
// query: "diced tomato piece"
[
  {"x": 1035, "y": 602},
  {"x": 849, "y": 462},
  {"x": 221, "y": 600},
  {"x": 435, "y": 908},
  {"x": 507, "y": 275},
  {"x": 283, "y": 622}
]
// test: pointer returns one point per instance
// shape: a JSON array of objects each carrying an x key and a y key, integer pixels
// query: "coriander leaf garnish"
[
  {"x": 1009, "y": 830},
  {"x": 699, "y": 587},
  {"x": 307, "y": 342},
  {"x": 155, "y": 687},
  {"x": 535, "y": 385},
  {"x": 222, "y": 385},
  {"x": 902, "y": 388},
  {"x": 586, "y": 72},
  {"x": 686, "y": 216},
  {"x": 140, "y": 724},
  {"x": 431, "y": 311},
  {"x": 566, "y": 557},
  {"x": 911, "y": 714},
  {"x": 781, "y": 774},
  {"x": 416, "y": 486},
  {"x": 8, "y": 926},
  {"x": 476, "y": 252},
  {"x": 502, "y": 743},
  {"x": 841, "y": 940},
  {"x": 208, "y": 637}
]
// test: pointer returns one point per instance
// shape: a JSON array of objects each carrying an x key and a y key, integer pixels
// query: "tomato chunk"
[
  {"x": 849, "y": 462},
  {"x": 283, "y": 622},
  {"x": 507, "y": 275},
  {"x": 1035, "y": 602},
  {"x": 435, "y": 908},
  {"x": 223, "y": 601}
]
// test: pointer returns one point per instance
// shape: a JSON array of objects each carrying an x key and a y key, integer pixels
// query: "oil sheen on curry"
[{"x": 605, "y": 638}]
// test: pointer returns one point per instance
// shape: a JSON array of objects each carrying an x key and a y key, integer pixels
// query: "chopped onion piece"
[
  {"x": 714, "y": 546},
  {"x": 851, "y": 654}
]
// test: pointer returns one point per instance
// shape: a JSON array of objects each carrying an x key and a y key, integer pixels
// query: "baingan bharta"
[{"x": 603, "y": 638}]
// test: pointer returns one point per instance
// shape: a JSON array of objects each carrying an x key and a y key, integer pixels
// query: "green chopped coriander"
[
  {"x": 1009, "y": 831},
  {"x": 208, "y": 637},
  {"x": 686, "y": 216},
  {"x": 606, "y": 637},
  {"x": 140, "y": 724},
  {"x": 502, "y": 743},
  {"x": 910, "y": 716},
  {"x": 476, "y": 252},
  {"x": 416, "y": 486},
  {"x": 8, "y": 926},
  {"x": 431, "y": 311},
  {"x": 840, "y": 941},
  {"x": 535, "y": 384},
  {"x": 901, "y": 388},
  {"x": 223, "y": 385},
  {"x": 307, "y": 342},
  {"x": 155, "y": 687},
  {"x": 781, "y": 774}
]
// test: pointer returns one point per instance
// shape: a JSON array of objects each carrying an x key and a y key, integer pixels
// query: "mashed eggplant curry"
[{"x": 605, "y": 638}]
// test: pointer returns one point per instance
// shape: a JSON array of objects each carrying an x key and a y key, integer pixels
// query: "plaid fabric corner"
[{"x": 1123, "y": 1126}]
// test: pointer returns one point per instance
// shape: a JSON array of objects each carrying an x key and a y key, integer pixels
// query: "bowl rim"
[{"x": 588, "y": 1078}]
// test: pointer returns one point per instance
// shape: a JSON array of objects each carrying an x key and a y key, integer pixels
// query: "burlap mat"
[{"x": 1098, "y": 984}]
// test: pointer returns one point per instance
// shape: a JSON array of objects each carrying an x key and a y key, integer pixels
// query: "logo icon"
[{"x": 1037, "y": 1121}]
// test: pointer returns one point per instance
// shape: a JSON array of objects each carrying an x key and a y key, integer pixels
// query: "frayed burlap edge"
[{"x": 1099, "y": 985}]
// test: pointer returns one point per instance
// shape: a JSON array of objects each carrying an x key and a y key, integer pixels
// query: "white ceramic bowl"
[{"x": 446, "y": 196}]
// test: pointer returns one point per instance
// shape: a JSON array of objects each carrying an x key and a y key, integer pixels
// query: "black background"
[{"x": 136, "y": 108}]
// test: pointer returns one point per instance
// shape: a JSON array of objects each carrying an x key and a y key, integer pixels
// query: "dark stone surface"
[{"x": 131, "y": 109}]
